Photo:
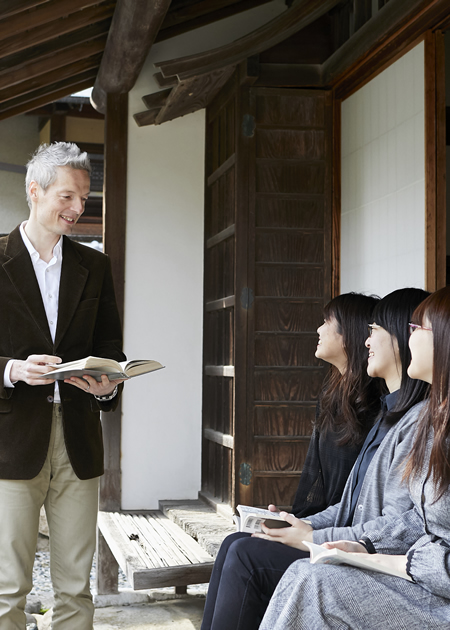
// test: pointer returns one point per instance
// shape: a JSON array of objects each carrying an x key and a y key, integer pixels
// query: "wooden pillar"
[
  {"x": 435, "y": 191},
  {"x": 114, "y": 225}
]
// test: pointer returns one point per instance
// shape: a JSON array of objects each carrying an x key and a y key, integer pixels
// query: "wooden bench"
[{"x": 152, "y": 551}]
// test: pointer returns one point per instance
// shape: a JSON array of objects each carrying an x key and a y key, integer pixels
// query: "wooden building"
[{"x": 260, "y": 157}]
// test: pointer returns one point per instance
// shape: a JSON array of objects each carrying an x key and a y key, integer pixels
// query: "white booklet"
[
  {"x": 250, "y": 519},
  {"x": 321, "y": 555}
]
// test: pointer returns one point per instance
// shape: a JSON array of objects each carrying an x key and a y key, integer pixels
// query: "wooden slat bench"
[{"x": 154, "y": 552}]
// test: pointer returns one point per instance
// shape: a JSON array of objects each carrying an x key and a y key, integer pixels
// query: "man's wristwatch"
[{"x": 107, "y": 396}]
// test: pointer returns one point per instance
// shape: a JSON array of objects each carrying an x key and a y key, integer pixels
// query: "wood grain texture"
[
  {"x": 294, "y": 419},
  {"x": 153, "y": 551}
]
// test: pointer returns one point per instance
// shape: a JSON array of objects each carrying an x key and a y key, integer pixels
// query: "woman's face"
[
  {"x": 384, "y": 357},
  {"x": 421, "y": 346},
  {"x": 330, "y": 346}
]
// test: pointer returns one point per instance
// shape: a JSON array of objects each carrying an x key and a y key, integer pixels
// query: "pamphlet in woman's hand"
[
  {"x": 250, "y": 519},
  {"x": 322, "y": 555}
]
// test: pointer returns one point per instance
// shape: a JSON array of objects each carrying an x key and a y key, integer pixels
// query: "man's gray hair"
[{"x": 42, "y": 166}]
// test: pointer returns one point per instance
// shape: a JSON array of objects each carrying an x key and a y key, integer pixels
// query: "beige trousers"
[{"x": 71, "y": 507}]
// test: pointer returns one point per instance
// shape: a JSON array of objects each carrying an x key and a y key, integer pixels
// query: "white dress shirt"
[{"x": 48, "y": 276}]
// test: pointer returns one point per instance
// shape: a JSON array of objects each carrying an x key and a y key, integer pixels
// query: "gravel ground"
[
  {"x": 42, "y": 584},
  {"x": 43, "y": 592}
]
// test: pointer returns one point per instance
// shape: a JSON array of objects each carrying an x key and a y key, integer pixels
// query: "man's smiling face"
[{"x": 57, "y": 210}]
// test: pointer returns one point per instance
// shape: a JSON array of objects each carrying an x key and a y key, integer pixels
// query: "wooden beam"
[
  {"x": 114, "y": 229},
  {"x": 157, "y": 99},
  {"x": 43, "y": 14},
  {"x": 336, "y": 209},
  {"x": 301, "y": 13},
  {"x": 396, "y": 25},
  {"x": 50, "y": 93},
  {"x": 49, "y": 78},
  {"x": 52, "y": 62},
  {"x": 22, "y": 107},
  {"x": 193, "y": 94},
  {"x": 50, "y": 31},
  {"x": 163, "y": 82},
  {"x": 185, "y": 19},
  {"x": 133, "y": 30},
  {"x": 72, "y": 110},
  {"x": 11, "y": 7},
  {"x": 51, "y": 49},
  {"x": 148, "y": 117},
  {"x": 435, "y": 191}
]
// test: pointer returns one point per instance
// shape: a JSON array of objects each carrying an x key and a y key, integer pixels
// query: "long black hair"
[
  {"x": 350, "y": 401},
  {"x": 393, "y": 313}
]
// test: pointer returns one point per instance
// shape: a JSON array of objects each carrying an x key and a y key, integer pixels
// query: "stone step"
[{"x": 201, "y": 521}]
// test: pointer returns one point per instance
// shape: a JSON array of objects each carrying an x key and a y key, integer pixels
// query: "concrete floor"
[{"x": 179, "y": 614}]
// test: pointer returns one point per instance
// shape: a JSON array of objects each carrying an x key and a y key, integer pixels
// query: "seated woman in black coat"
[
  {"x": 348, "y": 406},
  {"x": 248, "y": 569}
]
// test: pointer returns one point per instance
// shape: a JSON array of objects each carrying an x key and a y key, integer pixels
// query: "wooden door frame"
[
  {"x": 435, "y": 160},
  {"x": 435, "y": 155}
]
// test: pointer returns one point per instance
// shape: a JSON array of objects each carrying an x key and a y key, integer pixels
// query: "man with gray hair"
[{"x": 58, "y": 305}]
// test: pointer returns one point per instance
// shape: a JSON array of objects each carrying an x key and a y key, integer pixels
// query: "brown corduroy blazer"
[{"x": 88, "y": 324}]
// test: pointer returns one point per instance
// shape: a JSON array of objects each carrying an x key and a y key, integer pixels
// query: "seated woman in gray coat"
[
  {"x": 251, "y": 567},
  {"x": 417, "y": 543}
]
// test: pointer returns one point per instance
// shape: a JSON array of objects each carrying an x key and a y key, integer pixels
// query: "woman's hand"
[{"x": 291, "y": 536}]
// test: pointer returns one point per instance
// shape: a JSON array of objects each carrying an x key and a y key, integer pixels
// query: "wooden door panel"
[
  {"x": 290, "y": 143},
  {"x": 288, "y": 246},
  {"x": 286, "y": 350},
  {"x": 282, "y": 456},
  {"x": 288, "y": 177},
  {"x": 294, "y": 315},
  {"x": 291, "y": 108},
  {"x": 286, "y": 385},
  {"x": 278, "y": 488},
  {"x": 276, "y": 212},
  {"x": 267, "y": 277},
  {"x": 289, "y": 271},
  {"x": 288, "y": 282},
  {"x": 289, "y": 420}
]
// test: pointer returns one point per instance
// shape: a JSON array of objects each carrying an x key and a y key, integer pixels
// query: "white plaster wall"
[
  {"x": 19, "y": 138},
  {"x": 161, "y": 427},
  {"x": 383, "y": 180}
]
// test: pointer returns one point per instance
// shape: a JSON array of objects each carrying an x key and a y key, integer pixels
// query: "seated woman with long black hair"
[{"x": 249, "y": 568}]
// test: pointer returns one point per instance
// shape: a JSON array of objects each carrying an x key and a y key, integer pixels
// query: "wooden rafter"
[
  {"x": 50, "y": 78},
  {"x": 31, "y": 100},
  {"x": 52, "y": 49},
  {"x": 301, "y": 14},
  {"x": 60, "y": 27},
  {"x": 43, "y": 14},
  {"x": 187, "y": 97},
  {"x": 11, "y": 7},
  {"x": 184, "y": 18},
  {"x": 34, "y": 69},
  {"x": 22, "y": 106}
]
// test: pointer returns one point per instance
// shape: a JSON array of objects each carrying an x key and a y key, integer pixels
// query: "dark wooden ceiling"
[{"x": 52, "y": 48}]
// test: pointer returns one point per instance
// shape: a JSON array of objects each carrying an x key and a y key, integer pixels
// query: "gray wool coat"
[
  {"x": 382, "y": 494},
  {"x": 317, "y": 597}
]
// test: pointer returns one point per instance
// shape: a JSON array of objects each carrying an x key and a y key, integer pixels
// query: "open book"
[
  {"x": 96, "y": 366},
  {"x": 250, "y": 518},
  {"x": 320, "y": 555}
]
